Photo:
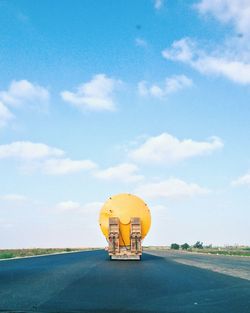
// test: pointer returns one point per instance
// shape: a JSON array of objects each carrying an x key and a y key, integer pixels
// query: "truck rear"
[{"x": 125, "y": 220}]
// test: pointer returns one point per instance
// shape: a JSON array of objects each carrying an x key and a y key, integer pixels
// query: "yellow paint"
[{"x": 124, "y": 206}]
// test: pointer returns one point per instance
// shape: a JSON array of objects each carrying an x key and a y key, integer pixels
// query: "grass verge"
[
  {"x": 234, "y": 251},
  {"x": 14, "y": 253}
]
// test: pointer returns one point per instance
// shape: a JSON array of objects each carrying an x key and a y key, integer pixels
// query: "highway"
[{"x": 90, "y": 282}]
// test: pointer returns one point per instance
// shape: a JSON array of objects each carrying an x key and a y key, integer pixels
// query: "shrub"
[
  {"x": 198, "y": 245},
  {"x": 175, "y": 246},
  {"x": 6, "y": 255},
  {"x": 185, "y": 246}
]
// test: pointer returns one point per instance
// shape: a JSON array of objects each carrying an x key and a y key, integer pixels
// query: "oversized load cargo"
[{"x": 125, "y": 221}]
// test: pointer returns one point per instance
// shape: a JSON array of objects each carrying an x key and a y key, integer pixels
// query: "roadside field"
[{"x": 18, "y": 253}]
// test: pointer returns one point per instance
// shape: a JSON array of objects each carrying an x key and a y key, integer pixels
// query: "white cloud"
[
  {"x": 243, "y": 180},
  {"x": 96, "y": 94},
  {"x": 170, "y": 85},
  {"x": 231, "y": 60},
  {"x": 140, "y": 42},
  {"x": 124, "y": 172},
  {"x": 41, "y": 157},
  {"x": 236, "y": 12},
  {"x": 236, "y": 71},
  {"x": 158, "y": 4},
  {"x": 72, "y": 206},
  {"x": 166, "y": 148},
  {"x": 92, "y": 207},
  {"x": 24, "y": 92},
  {"x": 5, "y": 115},
  {"x": 13, "y": 197},
  {"x": 68, "y": 206},
  {"x": 28, "y": 150},
  {"x": 170, "y": 188},
  {"x": 66, "y": 166},
  {"x": 181, "y": 50},
  {"x": 231, "y": 57}
]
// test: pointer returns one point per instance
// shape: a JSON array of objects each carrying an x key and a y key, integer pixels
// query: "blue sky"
[{"x": 102, "y": 97}]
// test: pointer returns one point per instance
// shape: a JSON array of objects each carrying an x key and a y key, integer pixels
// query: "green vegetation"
[
  {"x": 13, "y": 253},
  {"x": 6, "y": 255},
  {"x": 185, "y": 246},
  {"x": 209, "y": 249},
  {"x": 246, "y": 248},
  {"x": 175, "y": 246},
  {"x": 198, "y": 245},
  {"x": 227, "y": 250}
]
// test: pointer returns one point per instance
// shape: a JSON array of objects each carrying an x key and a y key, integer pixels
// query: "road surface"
[{"x": 89, "y": 282}]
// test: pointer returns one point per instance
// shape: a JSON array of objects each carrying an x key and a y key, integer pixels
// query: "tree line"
[{"x": 186, "y": 246}]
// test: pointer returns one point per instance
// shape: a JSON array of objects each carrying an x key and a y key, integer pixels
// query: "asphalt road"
[
  {"x": 89, "y": 282},
  {"x": 236, "y": 266}
]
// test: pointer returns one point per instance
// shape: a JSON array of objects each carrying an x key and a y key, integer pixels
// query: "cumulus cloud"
[
  {"x": 231, "y": 57},
  {"x": 92, "y": 206},
  {"x": 170, "y": 188},
  {"x": 243, "y": 180},
  {"x": 24, "y": 92},
  {"x": 5, "y": 115},
  {"x": 158, "y": 4},
  {"x": 97, "y": 94},
  {"x": 72, "y": 206},
  {"x": 236, "y": 12},
  {"x": 66, "y": 166},
  {"x": 68, "y": 206},
  {"x": 124, "y": 172},
  {"x": 181, "y": 50},
  {"x": 224, "y": 61},
  {"x": 170, "y": 85},
  {"x": 43, "y": 158},
  {"x": 28, "y": 150},
  {"x": 166, "y": 148}
]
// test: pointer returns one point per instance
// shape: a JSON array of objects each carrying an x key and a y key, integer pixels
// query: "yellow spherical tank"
[{"x": 125, "y": 206}]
